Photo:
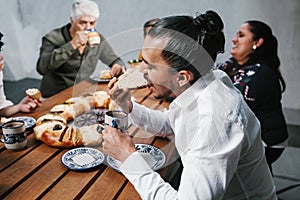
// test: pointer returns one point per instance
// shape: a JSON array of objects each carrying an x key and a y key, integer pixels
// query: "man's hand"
[
  {"x": 122, "y": 97},
  {"x": 79, "y": 40},
  {"x": 117, "y": 144},
  {"x": 117, "y": 70}
]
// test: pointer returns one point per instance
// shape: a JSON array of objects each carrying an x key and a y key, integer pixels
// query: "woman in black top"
[{"x": 254, "y": 70}]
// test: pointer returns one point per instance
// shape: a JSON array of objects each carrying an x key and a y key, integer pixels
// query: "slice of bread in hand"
[
  {"x": 132, "y": 80},
  {"x": 34, "y": 93}
]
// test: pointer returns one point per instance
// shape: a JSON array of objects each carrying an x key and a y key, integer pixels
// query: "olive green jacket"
[{"x": 62, "y": 66}]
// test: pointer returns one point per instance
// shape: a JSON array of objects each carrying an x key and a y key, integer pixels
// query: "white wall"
[{"x": 25, "y": 21}]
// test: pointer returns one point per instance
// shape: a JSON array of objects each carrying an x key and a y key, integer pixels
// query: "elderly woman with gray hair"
[{"x": 66, "y": 57}]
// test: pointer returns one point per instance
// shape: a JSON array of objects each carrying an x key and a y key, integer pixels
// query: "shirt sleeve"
[
  {"x": 52, "y": 57},
  {"x": 210, "y": 161},
  {"x": 153, "y": 121},
  {"x": 3, "y": 101},
  {"x": 108, "y": 56},
  {"x": 147, "y": 182}
]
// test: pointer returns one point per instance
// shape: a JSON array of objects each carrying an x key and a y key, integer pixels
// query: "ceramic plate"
[
  {"x": 29, "y": 121},
  {"x": 154, "y": 156},
  {"x": 82, "y": 158},
  {"x": 97, "y": 78}
]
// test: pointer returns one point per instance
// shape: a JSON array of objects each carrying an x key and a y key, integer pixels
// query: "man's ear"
[{"x": 184, "y": 77}]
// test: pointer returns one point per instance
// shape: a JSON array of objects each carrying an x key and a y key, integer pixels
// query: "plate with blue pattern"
[
  {"x": 29, "y": 121},
  {"x": 155, "y": 157},
  {"x": 82, "y": 158},
  {"x": 97, "y": 78}
]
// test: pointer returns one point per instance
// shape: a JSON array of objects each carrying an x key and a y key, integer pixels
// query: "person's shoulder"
[
  {"x": 57, "y": 35},
  {"x": 259, "y": 69}
]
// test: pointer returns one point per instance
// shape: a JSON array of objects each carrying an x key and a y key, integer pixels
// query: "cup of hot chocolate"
[{"x": 14, "y": 135}]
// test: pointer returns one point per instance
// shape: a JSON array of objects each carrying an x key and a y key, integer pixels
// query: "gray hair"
[{"x": 84, "y": 7}]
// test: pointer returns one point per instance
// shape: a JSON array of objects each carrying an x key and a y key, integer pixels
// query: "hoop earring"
[{"x": 254, "y": 47}]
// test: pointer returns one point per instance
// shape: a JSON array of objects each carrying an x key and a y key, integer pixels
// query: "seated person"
[
  {"x": 6, "y": 107},
  {"x": 254, "y": 70},
  {"x": 216, "y": 134},
  {"x": 66, "y": 57}
]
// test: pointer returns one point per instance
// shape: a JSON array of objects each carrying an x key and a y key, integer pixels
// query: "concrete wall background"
[{"x": 24, "y": 22}]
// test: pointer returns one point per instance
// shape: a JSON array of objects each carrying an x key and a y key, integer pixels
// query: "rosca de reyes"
[{"x": 53, "y": 129}]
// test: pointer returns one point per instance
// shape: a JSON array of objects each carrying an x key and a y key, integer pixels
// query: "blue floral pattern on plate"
[
  {"x": 158, "y": 155},
  {"x": 82, "y": 158},
  {"x": 29, "y": 121}
]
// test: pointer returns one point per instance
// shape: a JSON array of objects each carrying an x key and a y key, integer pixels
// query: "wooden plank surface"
[{"x": 24, "y": 168}]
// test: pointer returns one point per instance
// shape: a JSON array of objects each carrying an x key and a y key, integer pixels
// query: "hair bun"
[{"x": 209, "y": 22}]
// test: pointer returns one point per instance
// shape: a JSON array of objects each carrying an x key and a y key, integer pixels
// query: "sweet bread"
[
  {"x": 34, "y": 93},
  {"x": 50, "y": 118},
  {"x": 101, "y": 99},
  {"x": 57, "y": 134},
  {"x": 52, "y": 128},
  {"x": 132, "y": 80},
  {"x": 105, "y": 74}
]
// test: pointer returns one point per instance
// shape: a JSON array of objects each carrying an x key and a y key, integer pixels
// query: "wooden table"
[{"x": 37, "y": 171}]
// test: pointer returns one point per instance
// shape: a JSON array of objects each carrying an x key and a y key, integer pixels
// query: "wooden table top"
[{"x": 37, "y": 172}]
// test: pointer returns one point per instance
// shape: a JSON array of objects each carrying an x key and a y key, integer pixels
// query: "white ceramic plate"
[
  {"x": 29, "y": 121},
  {"x": 82, "y": 158},
  {"x": 97, "y": 78},
  {"x": 153, "y": 155}
]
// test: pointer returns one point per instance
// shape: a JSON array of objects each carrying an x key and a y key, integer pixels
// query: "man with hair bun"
[
  {"x": 66, "y": 55},
  {"x": 216, "y": 134}
]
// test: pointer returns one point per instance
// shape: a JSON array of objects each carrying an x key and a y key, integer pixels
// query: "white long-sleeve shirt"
[
  {"x": 218, "y": 139},
  {"x": 3, "y": 101}
]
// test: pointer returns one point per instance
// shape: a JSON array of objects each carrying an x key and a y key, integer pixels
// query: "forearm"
[
  {"x": 153, "y": 121},
  {"x": 9, "y": 110}
]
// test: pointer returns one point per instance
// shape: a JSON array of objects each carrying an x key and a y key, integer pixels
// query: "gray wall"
[{"x": 25, "y": 21}]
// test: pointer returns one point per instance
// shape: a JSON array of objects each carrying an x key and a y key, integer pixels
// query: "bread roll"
[
  {"x": 102, "y": 99},
  {"x": 71, "y": 108},
  {"x": 105, "y": 74},
  {"x": 34, "y": 93}
]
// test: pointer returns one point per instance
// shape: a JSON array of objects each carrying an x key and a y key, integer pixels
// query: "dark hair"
[
  {"x": 1, "y": 43},
  {"x": 267, "y": 52},
  {"x": 149, "y": 23},
  {"x": 184, "y": 34}
]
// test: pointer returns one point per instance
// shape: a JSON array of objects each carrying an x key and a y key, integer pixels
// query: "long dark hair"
[
  {"x": 267, "y": 52},
  {"x": 1, "y": 43},
  {"x": 184, "y": 34}
]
